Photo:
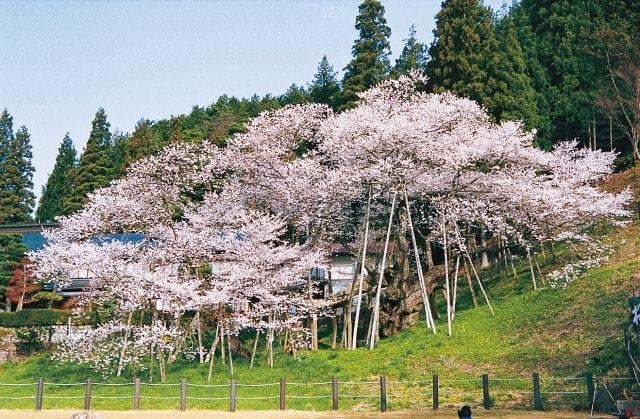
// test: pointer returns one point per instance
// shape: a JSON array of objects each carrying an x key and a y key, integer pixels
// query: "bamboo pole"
[
  {"x": 362, "y": 268},
  {"x": 423, "y": 287},
  {"x": 376, "y": 308}
]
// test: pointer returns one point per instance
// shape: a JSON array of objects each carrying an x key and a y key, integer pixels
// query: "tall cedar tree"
[
  {"x": 58, "y": 185},
  {"x": 16, "y": 193},
  {"x": 560, "y": 35},
  {"x": 512, "y": 96},
  {"x": 537, "y": 73},
  {"x": 370, "y": 51},
  {"x": 96, "y": 167},
  {"x": 463, "y": 46},
  {"x": 325, "y": 88},
  {"x": 413, "y": 56}
]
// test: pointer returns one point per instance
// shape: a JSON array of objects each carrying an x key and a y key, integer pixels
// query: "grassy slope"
[{"x": 557, "y": 332}]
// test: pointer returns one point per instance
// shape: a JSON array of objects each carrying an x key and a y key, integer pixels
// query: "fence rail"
[{"x": 534, "y": 391}]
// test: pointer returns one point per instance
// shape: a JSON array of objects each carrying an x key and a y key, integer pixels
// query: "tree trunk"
[{"x": 402, "y": 300}]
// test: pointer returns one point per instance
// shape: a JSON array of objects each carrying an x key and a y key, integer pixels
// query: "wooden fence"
[{"x": 482, "y": 391}]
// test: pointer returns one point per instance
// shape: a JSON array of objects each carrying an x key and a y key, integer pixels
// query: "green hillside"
[{"x": 557, "y": 332}]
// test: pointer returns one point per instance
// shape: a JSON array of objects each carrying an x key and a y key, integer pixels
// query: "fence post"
[
  {"x": 435, "y": 392},
  {"x": 486, "y": 401},
  {"x": 183, "y": 394},
  {"x": 590, "y": 389},
  {"x": 334, "y": 392},
  {"x": 383, "y": 394},
  {"x": 39, "y": 394},
  {"x": 232, "y": 395},
  {"x": 283, "y": 389},
  {"x": 136, "y": 393},
  {"x": 87, "y": 394},
  {"x": 537, "y": 397}
]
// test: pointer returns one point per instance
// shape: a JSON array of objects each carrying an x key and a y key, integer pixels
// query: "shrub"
[
  {"x": 29, "y": 340},
  {"x": 34, "y": 317}
]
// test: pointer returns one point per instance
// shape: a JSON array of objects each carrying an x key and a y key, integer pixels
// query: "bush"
[
  {"x": 34, "y": 317},
  {"x": 29, "y": 341}
]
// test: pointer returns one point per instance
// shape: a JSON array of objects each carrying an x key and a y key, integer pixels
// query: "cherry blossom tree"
[{"x": 229, "y": 236}]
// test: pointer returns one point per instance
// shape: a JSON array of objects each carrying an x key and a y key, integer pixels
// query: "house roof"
[{"x": 33, "y": 239}]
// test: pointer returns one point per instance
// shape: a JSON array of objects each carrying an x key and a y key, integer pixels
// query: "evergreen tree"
[
  {"x": 118, "y": 152},
  {"x": 370, "y": 63},
  {"x": 6, "y": 133},
  {"x": 16, "y": 194},
  {"x": 96, "y": 167},
  {"x": 295, "y": 95},
  {"x": 413, "y": 55},
  {"x": 16, "y": 184},
  {"x": 58, "y": 184},
  {"x": 142, "y": 142},
  {"x": 324, "y": 88},
  {"x": 464, "y": 44},
  {"x": 512, "y": 97},
  {"x": 537, "y": 73},
  {"x": 560, "y": 41}
]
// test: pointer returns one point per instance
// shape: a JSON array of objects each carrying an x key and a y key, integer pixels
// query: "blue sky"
[{"x": 61, "y": 60}]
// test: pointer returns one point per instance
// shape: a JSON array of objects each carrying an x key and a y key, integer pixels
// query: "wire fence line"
[{"x": 535, "y": 391}]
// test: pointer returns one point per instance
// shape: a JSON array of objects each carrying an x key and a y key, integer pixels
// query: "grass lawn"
[{"x": 557, "y": 332}]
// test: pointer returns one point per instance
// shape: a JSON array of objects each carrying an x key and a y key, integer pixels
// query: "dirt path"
[{"x": 207, "y": 414}]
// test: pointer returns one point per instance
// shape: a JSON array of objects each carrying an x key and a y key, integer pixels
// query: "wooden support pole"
[
  {"x": 590, "y": 389},
  {"x": 183, "y": 394},
  {"x": 537, "y": 396},
  {"x": 334, "y": 393},
  {"x": 136, "y": 393},
  {"x": 283, "y": 393},
  {"x": 376, "y": 307},
  {"x": 486, "y": 400},
  {"x": 361, "y": 275},
  {"x": 232, "y": 395},
  {"x": 446, "y": 272},
  {"x": 39, "y": 394},
  {"x": 87, "y": 394},
  {"x": 455, "y": 289},
  {"x": 533, "y": 275},
  {"x": 255, "y": 348},
  {"x": 423, "y": 287},
  {"x": 383, "y": 394},
  {"x": 473, "y": 268},
  {"x": 435, "y": 386}
]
